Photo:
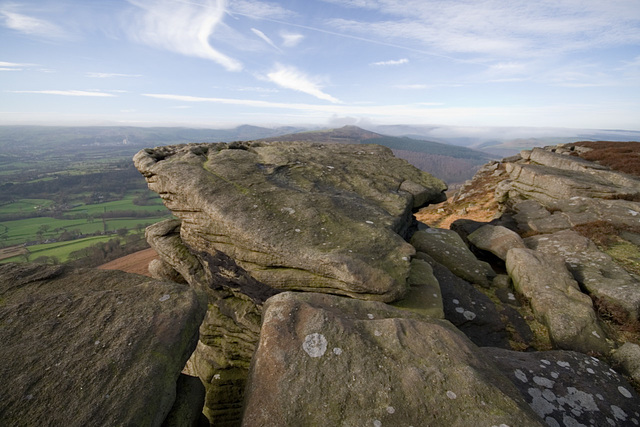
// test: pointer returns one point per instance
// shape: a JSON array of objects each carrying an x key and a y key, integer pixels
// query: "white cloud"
[
  {"x": 182, "y": 27},
  {"x": 15, "y": 64},
  {"x": 392, "y": 62},
  {"x": 260, "y": 9},
  {"x": 264, "y": 37},
  {"x": 291, "y": 78},
  {"x": 291, "y": 39},
  {"x": 29, "y": 24},
  {"x": 518, "y": 28},
  {"x": 65, "y": 92},
  {"x": 109, "y": 75}
]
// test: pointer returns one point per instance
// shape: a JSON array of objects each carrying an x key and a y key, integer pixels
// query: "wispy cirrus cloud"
[
  {"x": 66, "y": 93},
  {"x": 265, "y": 38},
  {"x": 291, "y": 39},
  {"x": 290, "y": 77},
  {"x": 110, "y": 75},
  {"x": 15, "y": 64},
  {"x": 11, "y": 18},
  {"x": 519, "y": 28},
  {"x": 391, "y": 62},
  {"x": 259, "y": 10},
  {"x": 182, "y": 27}
]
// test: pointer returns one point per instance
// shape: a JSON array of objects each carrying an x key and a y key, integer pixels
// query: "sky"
[{"x": 219, "y": 63}]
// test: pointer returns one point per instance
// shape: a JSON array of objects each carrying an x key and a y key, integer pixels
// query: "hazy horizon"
[{"x": 219, "y": 64}]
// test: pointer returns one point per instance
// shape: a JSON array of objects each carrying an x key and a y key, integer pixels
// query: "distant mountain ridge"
[{"x": 451, "y": 163}]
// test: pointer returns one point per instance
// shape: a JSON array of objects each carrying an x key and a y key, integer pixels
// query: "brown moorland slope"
[
  {"x": 134, "y": 263},
  {"x": 618, "y": 155},
  {"x": 475, "y": 199}
]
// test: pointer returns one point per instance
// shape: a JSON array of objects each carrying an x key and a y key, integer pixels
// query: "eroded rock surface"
[
  {"x": 594, "y": 270},
  {"x": 448, "y": 248},
  {"x": 85, "y": 347},
  {"x": 327, "y": 360},
  {"x": 556, "y": 299},
  {"x": 570, "y": 389},
  {"x": 257, "y": 218},
  {"x": 297, "y": 216}
]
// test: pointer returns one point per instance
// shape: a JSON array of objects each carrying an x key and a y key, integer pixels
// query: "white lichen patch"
[
  {"x": 451, "y": 395},
  {"x": 595, "y": 334},
  {"x": 469, "y": 315},
  {"x": 370, "y": 316},
  {"x": 539, "y": 404},
  {"x": 623, "y": 391},
  {"x": 520, "y": 375},
  {"x": 164, "y": 297},
  {"x": 369, "y": 222},
  {"x": 459, "y": 310},
  {"x": 455, "y": 301},
  {"x": 377, "y": 423},
  {"x": 337, "y": 351},
  {"x": 391, "y": 409},
  {"x": 315, "y": 345},
  {"x": 543, "y": 382},
  {"x": 578, "y": 401},
  {"x": 288, "y": 210},
  {"x": 216, "y": 377},
  {"x": 377, "y": 333},
  {"x": 563, "y": 364},
  {"x": 618, "y": 413}
]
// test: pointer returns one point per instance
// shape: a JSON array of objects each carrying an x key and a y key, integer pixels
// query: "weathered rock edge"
[
  {"x": 297, "y": 216},
  {"x": 87, "y": 347},
  {"x": 329, "y": 360}
]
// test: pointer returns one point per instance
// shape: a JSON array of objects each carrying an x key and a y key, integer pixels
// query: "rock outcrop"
[
  {"x": 92, "y": 347},
  {"x": 389, "y": 314},
  {"x": 326, "y": 360},
  {"x": 297, "y": 216},
  {"x": 259, "y": 218}
]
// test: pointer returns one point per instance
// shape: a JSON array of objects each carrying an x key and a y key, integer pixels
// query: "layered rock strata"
[
  {"x": 259, "y": 218},
  {"x": 297, "y": 216}
]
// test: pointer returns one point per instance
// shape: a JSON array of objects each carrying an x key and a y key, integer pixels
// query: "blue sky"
[{"x": 216, "y": 63}]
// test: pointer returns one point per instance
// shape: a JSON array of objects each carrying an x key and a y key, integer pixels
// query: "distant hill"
[
  {"x": 453, "y": 164},
  {"x": 126, "y": 139},
  {"x": 505, "y": 141}
]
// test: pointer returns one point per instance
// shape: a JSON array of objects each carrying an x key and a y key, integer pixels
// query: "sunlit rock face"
[
  {"x": 259, "y": 218},
  {"x": 297, "y": 216}
]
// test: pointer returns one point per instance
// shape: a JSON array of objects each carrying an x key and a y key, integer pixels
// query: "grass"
[
  {"x": 25, "y": 205},
  {"x": 59, "y": 250},
  {"x": 26, "y": 230},
  {"x": 125, "y": 204}
]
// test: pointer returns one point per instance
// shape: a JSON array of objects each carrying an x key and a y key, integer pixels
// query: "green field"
[
  {"x": 25, "y": 206},
  {"x": 59, "y": 250}
]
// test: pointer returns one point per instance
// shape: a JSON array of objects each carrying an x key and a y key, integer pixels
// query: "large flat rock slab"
[
  {"x": 297, "y": 216},
  {"x": 328, "y": 360},
  {"x": 91, "y": 347}
]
